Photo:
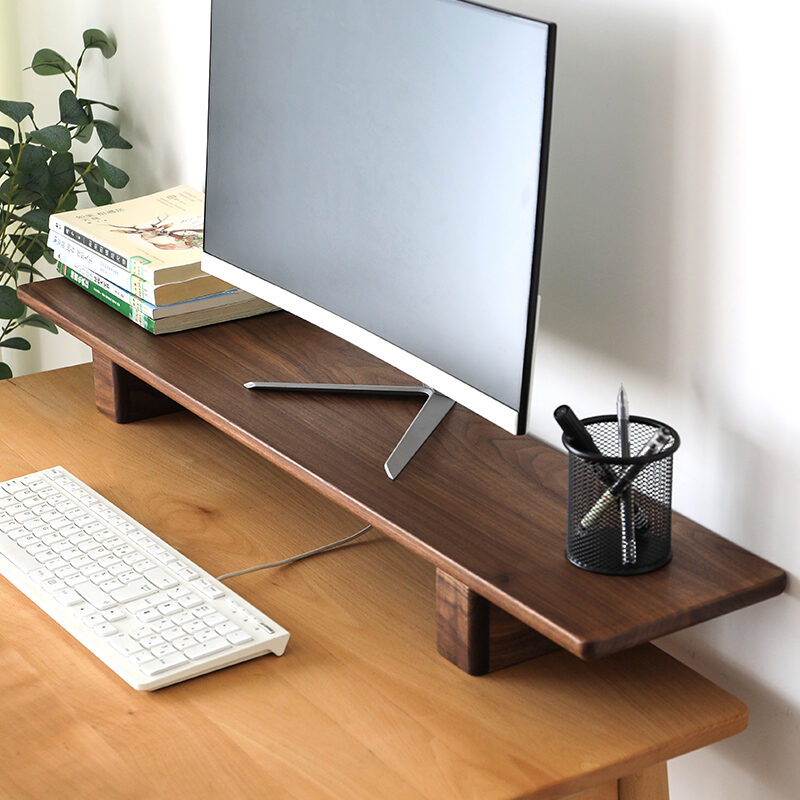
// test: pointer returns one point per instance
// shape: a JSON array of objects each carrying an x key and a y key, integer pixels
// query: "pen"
[
  {"x": 657, "y": 443},
  {"x": 581, "y": 439},
  {"x": 626, "y": 503}
]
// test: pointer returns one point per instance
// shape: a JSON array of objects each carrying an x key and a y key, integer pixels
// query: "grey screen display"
[{"x": 380, "y": 158}]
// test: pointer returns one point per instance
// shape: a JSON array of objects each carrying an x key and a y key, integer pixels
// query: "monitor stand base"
[{"x": 423, "y": 425}]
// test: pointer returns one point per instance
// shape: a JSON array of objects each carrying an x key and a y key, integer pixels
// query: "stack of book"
[{"x": 142, "y": 258}]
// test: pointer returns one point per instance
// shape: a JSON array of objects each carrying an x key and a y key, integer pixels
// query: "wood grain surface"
[
  {"x": 486, "y": 507},
  {"x": 360, "y": 706}
]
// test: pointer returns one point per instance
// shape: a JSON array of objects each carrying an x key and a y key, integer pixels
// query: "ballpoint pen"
[
  {"x": 658, "y": 442},
  {"x": 626, "y": 502}
]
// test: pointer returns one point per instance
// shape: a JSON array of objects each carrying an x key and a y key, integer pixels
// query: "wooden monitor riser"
[{"x": 488, "y": 509}]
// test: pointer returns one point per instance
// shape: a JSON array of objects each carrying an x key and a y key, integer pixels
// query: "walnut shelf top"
[{"x": 487, "y": 507}]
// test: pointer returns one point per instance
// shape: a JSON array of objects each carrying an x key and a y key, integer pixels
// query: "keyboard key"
[
  {"x": 225, "y": 628},
  {"x": 133, "y": 591},
  {"x": 160, "y": 578},
  {"x": 209, "y": 648},
  {"x": 187, "y": 573},
  {"x": 94, "y": 595},
  {"x": 182, "y": 618},
  {"x": 67, "y": 597},
  {"x": 41, "y": 574},
  {"x": 53, "y": 585},
  {"x": 124, "y": 645},
  {"x": 194, "y": 626},
  {"x": 161, "y": 650},
  {"x": 239, "y": 637},
  {"x": 17, "y": 556},
  {"x": 159, "y": 665},
  {"x": 170, "y": 607}
]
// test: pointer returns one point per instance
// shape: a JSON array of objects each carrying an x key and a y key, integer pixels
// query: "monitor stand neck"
[{"x": 423, "y": 425}]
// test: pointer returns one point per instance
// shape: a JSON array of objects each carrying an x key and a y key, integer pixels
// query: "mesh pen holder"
[{"x": 596, "y": 535}]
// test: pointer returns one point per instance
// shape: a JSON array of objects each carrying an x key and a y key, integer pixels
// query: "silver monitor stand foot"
[{"x": 422, "y": 426}]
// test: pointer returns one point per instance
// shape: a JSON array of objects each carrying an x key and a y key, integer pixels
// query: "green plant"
[{"x": 40, "y": 177}]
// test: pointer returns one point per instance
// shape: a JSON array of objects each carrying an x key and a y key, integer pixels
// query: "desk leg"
[
  {"x": 476, "y": 635},
  {"x": 649, "y": 784},
  {"x": 124, "y": 397}
]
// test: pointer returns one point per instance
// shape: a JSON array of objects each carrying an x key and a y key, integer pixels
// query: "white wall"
[{"x": 669, "y": 264}]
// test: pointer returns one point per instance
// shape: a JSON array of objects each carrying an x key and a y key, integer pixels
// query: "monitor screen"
[{"x": 382, "y": 162}]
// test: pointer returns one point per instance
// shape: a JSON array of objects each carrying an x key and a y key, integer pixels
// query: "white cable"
[{"x": 296, "y": 558}]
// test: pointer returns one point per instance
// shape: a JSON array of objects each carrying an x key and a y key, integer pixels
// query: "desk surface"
[{"x": 360, "y": 706}]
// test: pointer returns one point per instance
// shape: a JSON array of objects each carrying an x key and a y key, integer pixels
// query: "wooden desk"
[{"x": 360, "y": 706}]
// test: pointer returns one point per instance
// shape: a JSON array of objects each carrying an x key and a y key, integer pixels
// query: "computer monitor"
[{"x": 378, "y": 168}]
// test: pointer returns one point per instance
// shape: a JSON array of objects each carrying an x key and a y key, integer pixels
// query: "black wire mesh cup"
[{"x": 596, "y": 539}]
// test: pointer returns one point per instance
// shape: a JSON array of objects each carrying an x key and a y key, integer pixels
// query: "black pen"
[
  {"x": 581, "y": 439},
  {"x": 658, "y": 442}
]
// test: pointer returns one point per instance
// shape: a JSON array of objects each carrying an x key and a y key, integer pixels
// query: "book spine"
[
  {"x": 90, "y": 244},
  {"x": 112, "y": 300},
  {"x": 78, "y": 256},
  {"x": 136, "y": 303}
]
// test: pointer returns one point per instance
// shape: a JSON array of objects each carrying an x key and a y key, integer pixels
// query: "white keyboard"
[{"x": 141, "y": 607}]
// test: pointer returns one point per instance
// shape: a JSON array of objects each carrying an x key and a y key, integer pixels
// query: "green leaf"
[
  {"x": 69, "y": 203},
  {"x": 5, "y": 371},
  {"x": 62, "y": 172},
  {"x": 10, "y": 306},
  {"x": 17, "y": 111},
  {"x": 71, "y": 110},
  {"x": 86, "y": 103},
  {"x": 37, "y": 218},
  {"x": 109, "y": 136},
  {"x": 7, "y": 135},
  {"x": 96, "y": 38},
  {"x": 38, "y": 321},
  {"x": 31, "y": 158},
  {"x": 36, "y": 181},
  {"x": 19, "y": 196},
  {"x": 48, "y": 62},
  {"x": 56, "y": 137},
  {"x": 16, "y": 343},
  {"x": 32, "y": 246},
  {"x": 85, "y": 133},
  {"x": 114, "y": 175},
  {"x": 98, "y": 194}
]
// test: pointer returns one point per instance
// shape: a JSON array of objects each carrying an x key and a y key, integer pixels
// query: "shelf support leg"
[
  {"x": 124, "y": 397},
  {"x": 476, "y": 635}
]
